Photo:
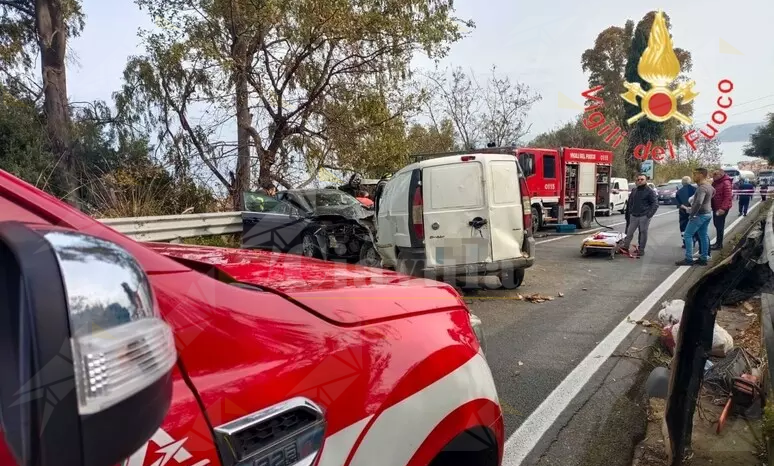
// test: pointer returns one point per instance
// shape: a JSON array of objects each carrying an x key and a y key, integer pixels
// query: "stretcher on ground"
[{"x": 606, "y": 242}]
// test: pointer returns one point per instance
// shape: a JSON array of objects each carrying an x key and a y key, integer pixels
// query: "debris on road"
[
  {"x": 561, "y": 295},
  {"x": 670, "y": 315},
  {"x": 538, "y": 298},
  {"x": 521, "y": 363}
]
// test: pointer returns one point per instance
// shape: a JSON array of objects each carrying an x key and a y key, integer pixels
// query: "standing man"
[
  {"x": 721, "y": 204},
  {"x": 640, "y": 208},
  {"x": 746, "y": 192},
  {"x": 764, "y": 189},
  {"x": 699, "y": 216},
  {"x": 683, "y": 197}
]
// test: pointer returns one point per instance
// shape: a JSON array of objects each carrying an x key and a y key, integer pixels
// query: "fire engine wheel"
[
  {"x": 537, "y": 221},
  {"x": 585, "y": 219},
  {"x": 512, "y": 278}
]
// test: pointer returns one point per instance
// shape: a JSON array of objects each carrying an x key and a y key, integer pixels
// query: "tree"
[
  {"x": 645, "y": 130},
  {"x": 481, "y": 114},
  {"x": 43, "y": 26},
  {"x": 706, "y": 154},
  {"x": 574, "y": 134},
  {"x": 280, "y": 69},
  {"x": 762, "y": 141},
  {"x": 613, "y": 60}
]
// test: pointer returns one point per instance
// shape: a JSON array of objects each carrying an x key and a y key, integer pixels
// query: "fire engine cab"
[{"x": 567, "y": 184}]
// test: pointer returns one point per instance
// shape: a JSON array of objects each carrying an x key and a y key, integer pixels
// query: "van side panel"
[
  {"x": 392, "y": 222},
  {"x": 505, "y": 211},
  {"x": 454, "y": 196}
]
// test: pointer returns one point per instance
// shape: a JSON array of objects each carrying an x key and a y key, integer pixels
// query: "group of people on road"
[{"x": 709, "y": 200}]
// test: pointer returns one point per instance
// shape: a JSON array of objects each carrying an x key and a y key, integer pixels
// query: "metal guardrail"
[
  {"x": 174, "y": 227},
  {"x": 694, "y": 342}
]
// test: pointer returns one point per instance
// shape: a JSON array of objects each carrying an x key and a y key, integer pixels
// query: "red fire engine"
[{"x": 569, "y": 184}]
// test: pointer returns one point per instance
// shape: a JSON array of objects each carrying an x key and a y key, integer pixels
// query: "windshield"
[{"x": 732, "y": 173}]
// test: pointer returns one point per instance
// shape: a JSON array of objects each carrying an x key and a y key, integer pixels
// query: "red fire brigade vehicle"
[
  {"x": 117, "y": 352},
  {"x": 567, "y": 184}
]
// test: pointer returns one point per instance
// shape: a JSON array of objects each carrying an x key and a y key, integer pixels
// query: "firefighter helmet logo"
[{"x": 659, "y": 67}]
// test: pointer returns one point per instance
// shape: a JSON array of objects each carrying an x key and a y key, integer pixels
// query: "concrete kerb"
[{"x": 634, "y": 355}]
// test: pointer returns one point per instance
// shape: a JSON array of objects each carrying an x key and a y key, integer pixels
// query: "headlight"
[
  {"x": 120, "y": 344},
  {"x": 478, "y": 329}
]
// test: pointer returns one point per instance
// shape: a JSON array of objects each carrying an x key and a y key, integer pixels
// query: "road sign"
[{"x": 647, "y": 169}]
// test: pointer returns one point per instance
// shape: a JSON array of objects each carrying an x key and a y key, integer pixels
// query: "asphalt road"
[{"x": 532, "y": 347}]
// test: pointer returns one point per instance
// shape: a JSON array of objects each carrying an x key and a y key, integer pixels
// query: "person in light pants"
[{"x": 700, "y": 215}]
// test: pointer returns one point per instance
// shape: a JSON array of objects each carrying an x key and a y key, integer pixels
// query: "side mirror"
[{"x": 87, "y": 361}]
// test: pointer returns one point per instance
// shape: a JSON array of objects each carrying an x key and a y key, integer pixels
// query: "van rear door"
[
  {"x": 454, "y": 197},
  {"x": 506, "y": 219}
]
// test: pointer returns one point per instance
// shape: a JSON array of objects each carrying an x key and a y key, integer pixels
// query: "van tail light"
[
  {"x": 526, "y": 204},
  {"x": 417, "y": 213}
]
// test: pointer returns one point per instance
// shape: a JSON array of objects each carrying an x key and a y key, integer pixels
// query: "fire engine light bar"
[{"x": 114, "y": 364}]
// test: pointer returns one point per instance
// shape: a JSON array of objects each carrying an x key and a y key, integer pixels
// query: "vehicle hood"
[
  {"x": 666, "y": 190},
  {"x": 344, "y": 294},
  {"x": 355, "y": 212}
]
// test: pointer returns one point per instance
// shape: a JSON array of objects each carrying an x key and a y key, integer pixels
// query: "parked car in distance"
[
  {"x": 320, "y": 223},
  {"x": 261, "y": 358},
  {"x": 634, "y": 185},
  {"x": 619, "y": 194},
  {"x": 667, "y": 192},
  {"x": 457, "y": 216}
]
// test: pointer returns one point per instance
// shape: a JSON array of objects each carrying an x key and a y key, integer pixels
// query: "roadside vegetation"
[{"x": 234, "y": 95}]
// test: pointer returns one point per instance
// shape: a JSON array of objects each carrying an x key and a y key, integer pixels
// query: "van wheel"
[
  {"x": 537, "y": 222},
  {"x": 409, "y": 265},
  {"x": 623, "y": 211},
  {"x": 512, "y": 278}
]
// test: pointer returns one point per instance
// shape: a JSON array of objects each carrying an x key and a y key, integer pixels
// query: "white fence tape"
[{"x": 174, "y": 227}]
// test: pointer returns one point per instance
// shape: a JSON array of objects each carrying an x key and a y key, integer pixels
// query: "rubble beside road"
[{"x": 740, "y": 441}]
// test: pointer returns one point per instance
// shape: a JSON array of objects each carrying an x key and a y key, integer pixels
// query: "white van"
[
  {"x": 619, "y": 194},
  {"x": 457, "y": 216}
]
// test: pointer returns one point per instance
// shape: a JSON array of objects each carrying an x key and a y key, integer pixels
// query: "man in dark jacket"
[
  {"x": 746, "y": 192},
  {"x": 640, "y": 208},
  {"x": 721, "y": 204},
  {"x": 683, "y": 197}
]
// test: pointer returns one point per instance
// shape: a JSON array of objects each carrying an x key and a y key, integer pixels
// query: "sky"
[{"x": 538, "y": 43}]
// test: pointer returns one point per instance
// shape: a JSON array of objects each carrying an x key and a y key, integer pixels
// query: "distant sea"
[{"x": 732, "y": 153}]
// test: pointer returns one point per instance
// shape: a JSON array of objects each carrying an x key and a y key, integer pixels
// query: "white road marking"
[
  {"x": 529, "y": 433},
  {"x": 594, "y": 230}
]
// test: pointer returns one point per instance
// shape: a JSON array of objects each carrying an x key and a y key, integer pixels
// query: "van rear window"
[{"x": 455, "y": 186}]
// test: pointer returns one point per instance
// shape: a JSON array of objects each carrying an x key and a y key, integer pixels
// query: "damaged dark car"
[{"x": 321, "y": 223}]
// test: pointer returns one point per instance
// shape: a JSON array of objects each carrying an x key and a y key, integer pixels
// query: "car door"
[
  {"x": 506, "y": 219},
  {"x": 276, "y": 228},
  {"x": 455, "y": 208}
]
